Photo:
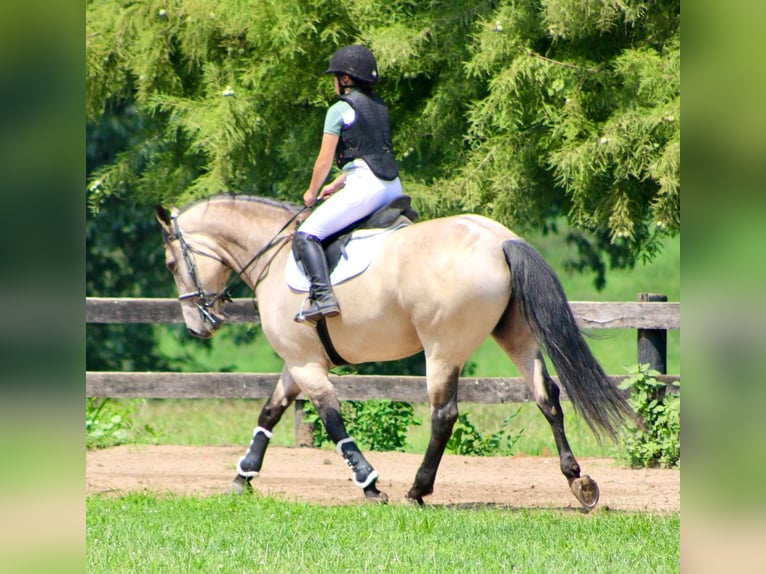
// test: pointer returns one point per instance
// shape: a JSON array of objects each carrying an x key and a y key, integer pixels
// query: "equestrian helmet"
[{"x": 356, "y": 61}]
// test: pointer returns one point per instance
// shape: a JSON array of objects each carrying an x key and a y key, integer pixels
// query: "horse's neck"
[{"x": 242, "y": 229}]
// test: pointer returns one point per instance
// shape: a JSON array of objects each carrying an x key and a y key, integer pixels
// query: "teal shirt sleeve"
[{"x": 333, "y": 121}]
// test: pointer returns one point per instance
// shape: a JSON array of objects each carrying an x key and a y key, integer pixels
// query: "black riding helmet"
[{"x": 356, "y": 61}]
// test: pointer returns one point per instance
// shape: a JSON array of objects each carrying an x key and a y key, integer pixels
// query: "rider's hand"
[
  {"x": 333, "y": 187},
  {"x": 309, "y": 198},
  {"x": 327, "y": 191}
]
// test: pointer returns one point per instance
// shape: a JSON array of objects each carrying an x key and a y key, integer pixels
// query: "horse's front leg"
[
  {"x": 321, "y": 393},
  {"x": 283, "y": 395},
  {"x": 442, "y": 394}
]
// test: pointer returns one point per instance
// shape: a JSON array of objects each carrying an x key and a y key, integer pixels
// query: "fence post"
[
  {"x": 653, "y": 343},
  {"x": 304, "y": 432}
]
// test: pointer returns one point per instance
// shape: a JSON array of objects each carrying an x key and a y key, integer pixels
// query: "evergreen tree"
[{"x": 523, "y": 110}]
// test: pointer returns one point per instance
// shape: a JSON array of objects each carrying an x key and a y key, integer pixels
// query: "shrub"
[
  {"x": 660, "y": 444},
  {"x": 108, "y": 423},
  {"x": 468, "y": 439},
  {"x": 379, "y": 425}
]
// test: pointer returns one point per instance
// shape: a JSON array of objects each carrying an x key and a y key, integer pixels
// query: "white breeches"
[{"x": 362, "y": 194}]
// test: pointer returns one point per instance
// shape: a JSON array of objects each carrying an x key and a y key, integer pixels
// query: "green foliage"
[
  {"x": 108, "y": 423},
  {"x": 379, "y": 425},
  {"x": 592, "y": 124},
  {"x": 414, "y": 365},
  {"x": 521, "y": 110},
  {"x": 660, "y": 444},
  {"x": 123, "y": 257},
  {"x": 468, "y": 439},
  {"x": 524, "y": 111}
]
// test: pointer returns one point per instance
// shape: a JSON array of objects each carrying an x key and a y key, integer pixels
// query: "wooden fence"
[{"x": 651, "y": 316}]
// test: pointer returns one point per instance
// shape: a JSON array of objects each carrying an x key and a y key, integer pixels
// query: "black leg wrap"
[
  {"x": 250, "y": 464},
  {"x": 364, "y": 474}
]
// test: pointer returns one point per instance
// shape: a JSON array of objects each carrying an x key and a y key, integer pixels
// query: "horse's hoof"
[
  {"x": 414, "y": 498},
  {"x": 586, "y": 491},
  {"x": 240, "y": 485},
  {"x": 372, "y": 494}
]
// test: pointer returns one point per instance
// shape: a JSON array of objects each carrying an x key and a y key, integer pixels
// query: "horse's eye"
[{"x": 171, "y": 265}]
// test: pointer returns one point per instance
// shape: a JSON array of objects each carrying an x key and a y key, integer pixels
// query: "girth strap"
[{"x": 324, "y": 336}]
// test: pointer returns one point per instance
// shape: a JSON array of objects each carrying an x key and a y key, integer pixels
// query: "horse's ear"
[{"x": 163, "y": 216}]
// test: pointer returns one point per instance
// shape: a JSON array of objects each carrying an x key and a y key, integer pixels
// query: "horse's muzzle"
[
  {"x": 200, "y": 334},
  {"x": 209, "y": 324}
]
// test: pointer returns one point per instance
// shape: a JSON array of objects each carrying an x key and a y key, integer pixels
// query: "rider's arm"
[{"x": 322, "y": 167}]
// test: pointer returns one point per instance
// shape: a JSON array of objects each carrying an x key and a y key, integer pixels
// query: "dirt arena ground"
[{"x": 321, "y": 476}]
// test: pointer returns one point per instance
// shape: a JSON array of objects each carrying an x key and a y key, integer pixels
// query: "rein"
[
  {"x": 204, "y": 300},
  {"x": 276, "y": 240}
]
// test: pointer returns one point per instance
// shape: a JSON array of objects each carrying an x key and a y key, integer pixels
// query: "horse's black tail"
[{"x": 543, "y": 304}]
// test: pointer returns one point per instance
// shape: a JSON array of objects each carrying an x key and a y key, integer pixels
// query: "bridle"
[{"x": 205, "y": 300}]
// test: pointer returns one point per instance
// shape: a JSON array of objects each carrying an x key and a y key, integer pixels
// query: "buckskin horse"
[{"x": 441, "y": 286}]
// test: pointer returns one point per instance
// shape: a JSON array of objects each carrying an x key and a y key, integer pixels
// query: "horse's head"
[{"x": 199, "y": 272}]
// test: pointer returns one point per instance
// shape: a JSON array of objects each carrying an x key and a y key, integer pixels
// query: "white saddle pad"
[{"x": 359, "y": 252}]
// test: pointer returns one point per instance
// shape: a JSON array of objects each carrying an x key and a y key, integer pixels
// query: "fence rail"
[
  {"x": 647, "y": 317},
  {"x": 589, "y": 315},
  {"x": 348, "y": 387}
]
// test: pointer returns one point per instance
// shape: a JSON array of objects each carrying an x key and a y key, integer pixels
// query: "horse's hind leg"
[
  {"x": 283, "y": 395},
  {"x": 525, "y": 353},
  {"x": 442, "y": 393},
  {"x": 584, "y": 488}
]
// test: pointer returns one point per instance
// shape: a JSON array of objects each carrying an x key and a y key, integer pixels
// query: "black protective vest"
[{"x": 369, "y": 137}]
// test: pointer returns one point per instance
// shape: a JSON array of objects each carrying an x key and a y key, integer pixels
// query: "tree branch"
[{"x": 565, "y": 64}]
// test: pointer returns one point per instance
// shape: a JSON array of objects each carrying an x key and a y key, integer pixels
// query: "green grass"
[
  {"x": 144, "y": 533},
  {"x": 219, "y": 354}
]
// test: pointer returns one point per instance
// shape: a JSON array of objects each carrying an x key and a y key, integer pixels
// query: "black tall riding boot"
[{"x": 322, "y": 299}]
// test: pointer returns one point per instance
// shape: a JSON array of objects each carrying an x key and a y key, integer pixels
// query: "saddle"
[{"x": 396, "y": 214}]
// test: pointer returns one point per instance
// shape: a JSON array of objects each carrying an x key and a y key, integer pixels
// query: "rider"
[{"x": 357, "y": 135}]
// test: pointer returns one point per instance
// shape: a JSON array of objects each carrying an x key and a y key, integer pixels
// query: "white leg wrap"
[
  {"x": 245, "y": 473},
  {"x": 262, "y": 430},
  {"x": 372, "y": 477},
  {"x": 252, "y": 473},
  {"x": 338, "y": 446}
]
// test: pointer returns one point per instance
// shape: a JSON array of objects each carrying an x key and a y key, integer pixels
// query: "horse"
[{"x": 441, "y": 286}]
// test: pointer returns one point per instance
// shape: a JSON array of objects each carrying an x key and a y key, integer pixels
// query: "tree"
[
  {"x": 522, "y": 110},
  {"x": 122, "y": 257},
  {"x": 581, "y": 116}
]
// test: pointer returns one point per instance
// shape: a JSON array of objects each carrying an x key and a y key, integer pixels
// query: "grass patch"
[
  {"x": 144, "y": 533},
  {"x": 199, "y": 422}
]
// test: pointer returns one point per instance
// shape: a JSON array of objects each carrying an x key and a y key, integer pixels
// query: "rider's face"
[{"x": 343, "y": 83}]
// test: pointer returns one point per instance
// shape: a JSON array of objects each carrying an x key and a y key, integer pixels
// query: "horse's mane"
[{"x": 233, "y": 197}]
